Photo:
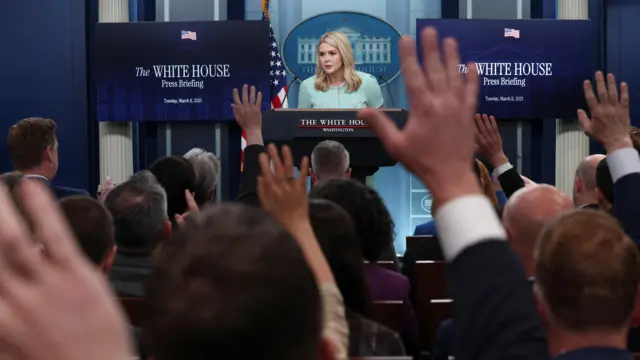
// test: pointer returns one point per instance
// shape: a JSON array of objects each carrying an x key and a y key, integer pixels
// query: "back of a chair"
[
  {"x": 431, "y": 299},
  {"x": 411, "y": 241},
  {"x": 430, "y": 280},
  {"x": 134, "y": 309},
  {"x": 387, "y": 264},
  {"x": 389, "y": 314},
  {"x": 439, "y": 310}
]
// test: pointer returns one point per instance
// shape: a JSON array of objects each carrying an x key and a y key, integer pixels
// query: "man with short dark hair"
[
  {"x": 139, "y": 210},
  {"x": 217, "y": 293},
  {"x": 329, "y": 160},
  {"x": 92, "y": 225},
  {"x": 33, "y": 146}
]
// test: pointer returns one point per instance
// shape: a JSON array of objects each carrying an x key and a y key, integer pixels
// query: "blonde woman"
[{"x": 336, "y": 83}]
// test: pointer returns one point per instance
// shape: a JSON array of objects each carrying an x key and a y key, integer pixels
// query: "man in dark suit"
[{"x": 33, "y": 146}]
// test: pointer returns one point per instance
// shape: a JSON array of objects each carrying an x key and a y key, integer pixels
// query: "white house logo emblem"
[
  {"x": 425, "y": 203},
  {"x": 374, "y": 44}
]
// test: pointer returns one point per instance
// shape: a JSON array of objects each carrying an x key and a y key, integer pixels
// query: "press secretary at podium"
[{"x": 337, "y": 84}]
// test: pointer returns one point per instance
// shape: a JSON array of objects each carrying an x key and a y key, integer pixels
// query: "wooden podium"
[{"x": 303, "y": 129}]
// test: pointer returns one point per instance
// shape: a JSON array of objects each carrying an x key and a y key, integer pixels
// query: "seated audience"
[
  {"x": 219, "y": 293},
  {"x": 585, "y": 192},
  {"x": 33, "y": 146},
  {"x": 525, "y": 215},
  {"x": 206, "y": 167},
  {"x": 176, "y": 175},
  {"x": 375, "y": 231},
  {"x": 329, "y": 160},
  {"x": 139, "y": 210},
  {"x": 93, "y": 228},
  {"x": 339, "y": 243}
]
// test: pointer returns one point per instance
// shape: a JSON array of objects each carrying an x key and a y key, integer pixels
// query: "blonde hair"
[
  {"x": 487, "y": 186},
  {"x": 341, "y": 42}
]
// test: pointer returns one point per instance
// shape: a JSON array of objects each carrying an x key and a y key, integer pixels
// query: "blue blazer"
[{"x": 428, "y": 228}]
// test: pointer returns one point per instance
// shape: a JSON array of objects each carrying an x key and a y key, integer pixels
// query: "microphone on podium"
[
  {"x": 393, "y": 103},
  {"x": 286, "y": 93}
]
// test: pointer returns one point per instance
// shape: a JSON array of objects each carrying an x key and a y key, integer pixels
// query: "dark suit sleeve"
[
  {"x": 496, "y": 315},
  {"x": 626, "y": 192},
  {"x": 510, "y": 181},
  {"x": 248, "y": 193}
]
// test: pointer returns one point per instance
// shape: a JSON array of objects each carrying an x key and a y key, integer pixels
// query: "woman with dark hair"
[{"x": 339, "y": 243}]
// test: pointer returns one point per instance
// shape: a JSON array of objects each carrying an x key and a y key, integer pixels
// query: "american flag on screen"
[
  {"x": 277, "y": 75},
  {"x": 188, "y": 35},
  {"x": 511, "y": 33}
]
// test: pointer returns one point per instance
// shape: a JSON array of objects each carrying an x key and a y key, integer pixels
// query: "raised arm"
[
  {"x": 609, "y": 124},
  {"x": 489, "y": 142},
  {"x": 249, "y": 116},
  {"x": 495, "y": 313},
  {"x": 285, "y": 198}
]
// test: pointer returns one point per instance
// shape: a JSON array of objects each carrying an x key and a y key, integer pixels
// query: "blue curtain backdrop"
[{"x": 407, "y": 200}]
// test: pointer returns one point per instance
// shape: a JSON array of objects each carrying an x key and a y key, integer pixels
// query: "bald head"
[
  {"x": 527, "y": 212},
  {"x": 584, "y": 186}
]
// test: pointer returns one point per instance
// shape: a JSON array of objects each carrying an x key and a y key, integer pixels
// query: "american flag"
[
  {"x": 277, "y": 75},
  {"x": 511, "y": 33},
  {"x": 188, "y": 35}
]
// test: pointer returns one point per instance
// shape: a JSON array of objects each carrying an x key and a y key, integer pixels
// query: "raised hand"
[
  {"x": 104, "y": 190},
  {"x": 248, "y": 113},
  {"x": 437, "y": 142},
  {"x": 54, "y": 306},
  {"x": 281, "y": 194},
  {"x": 192, "y": 207},
  {"x": 610, "y": 120},
  {"x": 489, "y": 140}
]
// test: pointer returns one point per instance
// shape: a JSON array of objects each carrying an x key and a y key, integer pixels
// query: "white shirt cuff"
[
  {"x": 466, "y": 221},
  {"x": 623, "y": 162},
  {"x": 502, "y": 169}
]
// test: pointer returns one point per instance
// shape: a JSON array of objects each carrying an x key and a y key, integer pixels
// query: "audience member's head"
[
  {"x": 207, "y": 170},
  {"x": 526, "y": 213},
  {"x": 139, "y": 210},
  {"x": 176, "y": 175},
  {"x": 92, "y": 225},
  {"x": 584, "y": 184},
  {"x": 370, "y": 216},
  {"x": 33, "y": 146},
  {"x": 604, "y": 184},
  {"x": 485, "y": 181},
  {"x": 587, "y": 275},
  {"x": 329, "y": 160},
  {"x": 232, "y": 283},
  {"x": 337, "y": 238}
]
